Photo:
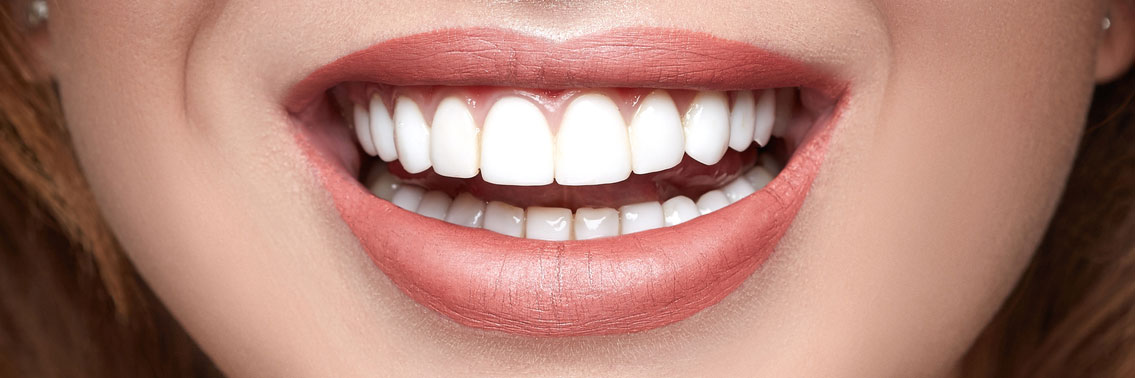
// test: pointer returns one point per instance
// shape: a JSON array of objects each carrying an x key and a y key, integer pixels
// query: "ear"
[
  {"x": 1117, "y": 47},
  {"x": 36, "y": 38}
]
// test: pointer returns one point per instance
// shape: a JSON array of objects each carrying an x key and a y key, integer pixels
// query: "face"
[{"x": 918, "y": 149}]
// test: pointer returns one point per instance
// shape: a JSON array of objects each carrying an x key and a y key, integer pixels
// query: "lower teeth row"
[{"x": 556, "y": 224}]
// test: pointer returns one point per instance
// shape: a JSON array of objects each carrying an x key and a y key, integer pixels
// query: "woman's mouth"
[{"x": 607, "y": 184}]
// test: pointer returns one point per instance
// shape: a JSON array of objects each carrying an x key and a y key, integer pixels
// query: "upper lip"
[{"x": 616, "y": 285}]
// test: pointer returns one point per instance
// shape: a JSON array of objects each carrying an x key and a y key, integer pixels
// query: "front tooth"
[
  {"x": 408, "y": 197},
  {"x": 596, "y": 223},
  {"x": 711, "y": 201},
  {"x": 706, "y": 126},
  {"x": 383, "y": 184},
  {"x": 679, "y": 209},
  {"x": 466, "y": 210},
  {"x": 785, "y": 99},
  {"x": 503, "y": 218},
  {"x": 382, "y": 130},
  {"x": 738, "y": 189},
  {"x": 362, "y": 130},
  {"x": 411, "y": 136},
  {"x": 656, "y": 136},
  {"x": 641, "y": 217},
  {"x": 516, "y": 145},
  {"x": 591, "y": 145},
  {"x": 742, "y": 120},
  {"x": 455, "y": 140},
  {"x": 548, "y": 223},
  {"x": 435, "y": 204},
  {"x": 758, "y": 177},
  {"x": 765, "y": 117}
]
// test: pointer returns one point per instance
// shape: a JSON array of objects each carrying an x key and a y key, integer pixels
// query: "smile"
[{"x": 607, "y": 184}]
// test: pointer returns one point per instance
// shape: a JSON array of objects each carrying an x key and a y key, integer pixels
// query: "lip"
[{"x": 616, "y": 285}]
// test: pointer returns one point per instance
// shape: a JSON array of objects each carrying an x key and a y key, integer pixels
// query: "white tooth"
[
  {"x": 591, "y": 145},
  {"x": 706, "y": 126},
  {"x": 785, "y": 98},
  {"x": 758, "y": 177},
  {"x": 656, "y": 137},
  {"x": 738, "y": 189},
  {"x": 679, "y": 209},
  {"x": 466, "y": 210},
  {"x": 711, "y": 201},
  {"x": 382, "y": 130},
  {"x": 765, "y": 117},
  {"x": 640, "y": 217},
  {"x": 362, "y": 130},
  {"x": 596, "y": 223},
  {"x": 411, "y": 135},
  {"x": 383, "y": 184},
  {"x": 548, "y": 223},
  {"x": 408, "y": 197},
  {"x": 742, "y": 119},
  {"x": 435, "y": 204},
  {"x": 503, "y": 218},
  {"x": 770, "y": 164},
  {"x": 516, "y": 145},
  {"x": 455, "y": 140}
]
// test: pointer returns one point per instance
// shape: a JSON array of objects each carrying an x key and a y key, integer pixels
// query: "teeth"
[
  {"x": 591, "y": 145},
  {"x": 764, "y": 117},
  {"x": 503, "y": 218},
  {"x": 770, "y": 164},
  {"x": 785, "y": 98},
  {"x": 548, "y": 223},
  {"x": 711, "y": 201},
  {"x": 656, "y": 136},
  {"x": 679, "y": 209},
  {"x": 641, "y": 217},
  {"x": 706, "y": 126},
  {"x": 516, "y": 145},
  {"x": 738, "y": 189},
  {"x": 382, "y": 130},
  {"x": 435, "y": 204},
  {"x": 362, "y": 130},
  {"x": 408, "y": 197},
  {"x": 411, "y": 136},
  {"x": 383, "y": 184},
  {"x": 467, "y": 211},
  {"x": 758, "y": 177},
  {"x": 596, "y": 223},
  {"x": 742, "y": 120},
  {"x": 455, "y": 140}
]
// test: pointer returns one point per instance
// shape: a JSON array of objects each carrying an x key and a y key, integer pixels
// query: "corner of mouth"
[{"x": 553, "y": 201}]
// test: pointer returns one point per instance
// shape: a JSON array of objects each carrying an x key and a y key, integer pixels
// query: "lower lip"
[{"x": 616, "y": 285}]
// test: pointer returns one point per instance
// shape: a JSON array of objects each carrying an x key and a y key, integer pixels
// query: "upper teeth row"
[{"x": 593, "y": 145}]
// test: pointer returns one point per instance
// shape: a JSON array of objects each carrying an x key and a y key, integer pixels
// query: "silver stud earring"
[
  {"x": 1106, "y": 22},
  {"x": 37, "y": 13}
]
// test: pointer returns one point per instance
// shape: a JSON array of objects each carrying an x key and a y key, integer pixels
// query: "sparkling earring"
[{"x": 37, "y": 13}]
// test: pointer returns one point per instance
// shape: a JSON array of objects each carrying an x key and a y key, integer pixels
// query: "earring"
[
  {"x": 37, "y": 13},
  {"x": 1106, "y": 22}
]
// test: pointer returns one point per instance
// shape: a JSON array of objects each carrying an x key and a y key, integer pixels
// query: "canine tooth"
[
  {"x": 503, "y": 218},
  {"x": 742, "y": 120},
  {"x": 466, "y": 210},
  {"x": 548, "y": 223},
  {"x": 362, "y": 130},
  {"x": 383, "y": 184},
  {"x": 596, "y": 223},
  {"x": 785, "y": 99},
  {"x": 678, "y": 210},
  {"x": 455, "y": 140},
  {"x": 711, "y": 201},
  {"x": 706, "y": 126},
  {"x": 408, "y": 197},
  {"x": 516, "y": 145},
  {"x": 738, "y": 189},
  {"x": 411, "y": 136},
  {"x": 382, "y": 130},
  {"x": 764, "y": 117},
  {"x": 640, "y": 217},
  {"x": 591, "y": 145},
  {"x": 656, "y": 137},
  {"x": 759, "y": 177},
  {"x": 435, "y": 204}
]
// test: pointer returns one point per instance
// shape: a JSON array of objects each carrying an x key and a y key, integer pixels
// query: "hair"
[{"x": 71, "y": 304}]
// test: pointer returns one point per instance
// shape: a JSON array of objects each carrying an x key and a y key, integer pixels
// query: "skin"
[{"x": 937, "y": 186}]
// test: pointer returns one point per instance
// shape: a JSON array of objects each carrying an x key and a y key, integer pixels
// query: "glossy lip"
[{"x": 617, "y": 285}]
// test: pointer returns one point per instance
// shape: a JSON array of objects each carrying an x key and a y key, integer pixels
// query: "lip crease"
[{"x": 617, "y": 285}]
